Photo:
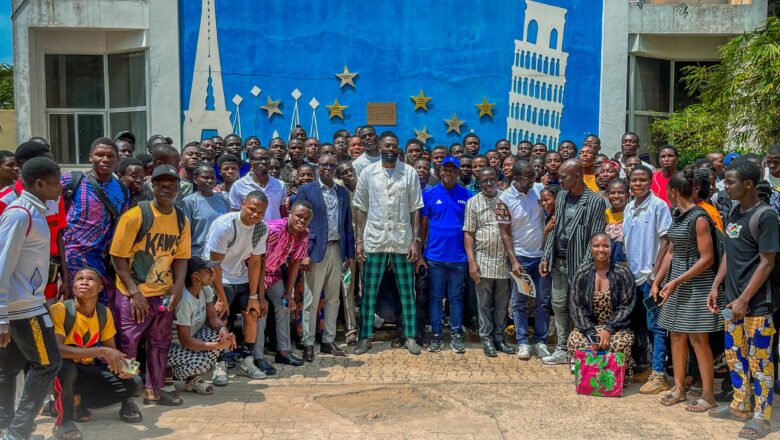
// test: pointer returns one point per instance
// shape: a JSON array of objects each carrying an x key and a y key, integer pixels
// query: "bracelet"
[{"x": 255, "y": 296}]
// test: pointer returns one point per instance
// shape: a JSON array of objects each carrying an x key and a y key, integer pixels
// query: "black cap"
[
  {"x": 162, "y": 171},
  {"x": 197, "y": 263},
  {"x": 127, "y": 135},
  {"x": 156, "y": 139}
]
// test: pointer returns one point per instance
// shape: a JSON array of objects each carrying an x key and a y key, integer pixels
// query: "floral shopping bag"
[{"x": 599, "y": 373}]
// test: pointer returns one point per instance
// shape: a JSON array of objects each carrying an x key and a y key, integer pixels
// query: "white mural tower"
[
  {"x": 538, "y": 77},
  {"x": 207, "y": 98}
]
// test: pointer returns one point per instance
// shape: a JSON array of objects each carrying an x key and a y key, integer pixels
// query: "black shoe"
[
  {"x": 308, "y": 353},
  {"x": 290, "y": 359},
  {"x": 363, "y": 346},
  {"x": 490, "y": 349},
  {"x": 456, "y": 343},
  {"x": 503, "y": 347},
  {"x": 331, "y": 349},
  {"x": 265, "y": 367}
]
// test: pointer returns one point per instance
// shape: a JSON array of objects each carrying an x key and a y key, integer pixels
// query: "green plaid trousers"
[{"x": 373, "y": 270}]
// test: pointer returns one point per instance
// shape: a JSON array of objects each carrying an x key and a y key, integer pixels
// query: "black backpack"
[
  {"x": 718, "y": 238},
  {"x": 70, "y": 316},
  {"x": 147, "y": 219},
  {"x": 753, "y": 225}
]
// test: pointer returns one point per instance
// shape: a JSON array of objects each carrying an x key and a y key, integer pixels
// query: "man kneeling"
[{"x": 85, "y": 332}]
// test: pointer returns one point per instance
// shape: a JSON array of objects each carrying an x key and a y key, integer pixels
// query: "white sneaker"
[
  {"x": 219, "y": 376},
  {"x": 524, "y": 352},
  {"x": 246, "y": 367},
  {"x": 541, "y": 350},
  {"x": 557, "y": 358}
]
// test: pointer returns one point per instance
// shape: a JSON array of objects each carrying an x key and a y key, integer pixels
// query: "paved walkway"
[{"x": 390, "y": 394}]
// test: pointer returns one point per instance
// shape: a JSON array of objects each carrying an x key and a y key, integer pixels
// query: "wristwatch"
[
  {"x": 651, "y": 277},
  {"x": 255, "y": 296}
]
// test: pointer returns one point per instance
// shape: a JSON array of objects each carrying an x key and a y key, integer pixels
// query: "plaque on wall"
[{"x": 381, "y": 113}]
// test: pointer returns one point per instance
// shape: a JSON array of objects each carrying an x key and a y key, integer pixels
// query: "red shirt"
[
  {"x": 659, "y": 186},
  {"x": 55, "y": 212}
]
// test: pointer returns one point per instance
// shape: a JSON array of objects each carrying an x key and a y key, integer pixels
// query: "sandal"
[
  {"x": 197, "y": 385},
  {"x": 165, "y": 399},
  {"x": 352, "y": 338},
  {"x": 67, "y": 431},
  {"x": 760, "y": 428},
  {"x": 129, "y": 413},
  {"x": 724, "y": 413},
  {"x": 673, "y": 398},
  {"x": 699, "y": 406},
  {"x": 81, "y": 414},
  {"x": 694, "y": 391}
]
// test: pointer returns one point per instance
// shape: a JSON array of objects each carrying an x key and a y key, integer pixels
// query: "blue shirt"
[{"x": 445, "y": 210}]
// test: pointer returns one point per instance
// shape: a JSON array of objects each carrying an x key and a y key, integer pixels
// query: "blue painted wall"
[{"x": 456, "y": 51}]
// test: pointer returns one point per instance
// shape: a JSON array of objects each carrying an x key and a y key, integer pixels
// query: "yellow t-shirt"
[
  {"x": 86, "y": 330},
  {"x": 151, "y": 259},
  {"x": 590, "y": 182}
]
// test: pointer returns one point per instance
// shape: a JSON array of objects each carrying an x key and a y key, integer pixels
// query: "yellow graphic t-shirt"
[
  {"x": 590, "y": 182},
  {"x": 86, "y": 330},
  {"x": 151, "y": 259}
]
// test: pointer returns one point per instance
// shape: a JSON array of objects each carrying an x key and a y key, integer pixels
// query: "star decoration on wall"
[
  {"x": 485, "y": 109},
  {"x": 272, "y": 107},
  {"x": 423, "y": 135},
  {"x": 346, "y": 77},
  {"x": 454, "y": 123},
  {"x": 336, "y": 110},
  {"x": 421, "y": 101}
]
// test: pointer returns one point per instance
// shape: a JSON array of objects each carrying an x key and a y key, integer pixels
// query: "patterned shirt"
[
  {"x": 281, "y": 246},
  {"x": 90, "y": 225},
  {"x": 332, "y": 205},
  {"x": 481, "y": 221}
]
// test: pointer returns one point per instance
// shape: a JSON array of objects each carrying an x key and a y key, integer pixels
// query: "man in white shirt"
[
  {"x": 259, "y": 180},
  {"x": 772, "y": 170},
  {"x": 388, "y": 201},
  {"x": 521, "y": 218},
  {"x": 629, "y": 147},
  {"x": 26, "y": 329},
  {"x": 238, "y": 241},
  {"x": 370, "y": 142}
]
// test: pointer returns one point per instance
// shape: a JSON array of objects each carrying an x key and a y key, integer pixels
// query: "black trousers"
[{"x": 33, "y": 346}]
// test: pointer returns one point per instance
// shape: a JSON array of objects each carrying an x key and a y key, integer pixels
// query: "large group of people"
[{"x": 171, "y": 263}]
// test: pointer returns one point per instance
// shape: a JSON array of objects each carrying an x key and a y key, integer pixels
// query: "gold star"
[
  {"x": 346, "y": 77},
  {"x": 423, "y": 135},
  {"x": 336, "y": 110},
  {"x": 272, "y": 107},
  {"x": 420, "y": 101},
  {"x": 485, "y": 109},
  {"x": 454, "y": 124}
]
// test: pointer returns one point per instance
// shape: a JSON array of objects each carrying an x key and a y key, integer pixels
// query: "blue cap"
[
  {"x": 730, "y": 158},
  {"x": 451, "y": 159}
]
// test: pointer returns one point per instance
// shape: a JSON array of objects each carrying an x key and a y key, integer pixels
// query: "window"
[
  {"x": 554, "y": 39},
  {"x": 89, "y": 96},
  {"x": 533, "y": 31},
  {"x": 655, "y": 88}
]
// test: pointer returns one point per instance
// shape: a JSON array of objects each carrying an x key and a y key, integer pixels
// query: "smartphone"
[
  {"x": 594, "y": 339},
  {"x": 649, "y": 302},
  {"x": 728, "y": 315}
]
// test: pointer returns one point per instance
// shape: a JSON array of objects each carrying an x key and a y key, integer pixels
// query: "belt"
[{"x": 330, "y": 242}]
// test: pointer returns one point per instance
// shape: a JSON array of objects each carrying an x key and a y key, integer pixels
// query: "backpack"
[
  {"x": 70, "y": 316},
  {"x": 774, "y": 276},
  {"x": 718, "y": 238},
  {"x": 147, "y": 219},
  {"x": 257, "y": 233}
]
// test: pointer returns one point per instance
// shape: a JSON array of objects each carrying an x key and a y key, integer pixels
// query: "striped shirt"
[{"x": 280, "y": 246}]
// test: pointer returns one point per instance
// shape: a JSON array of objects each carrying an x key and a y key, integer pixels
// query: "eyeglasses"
[
  {"x": 487, "y": 181},
  {"x": 327, "y": 166},
  {"x": 260, "y": 159}
]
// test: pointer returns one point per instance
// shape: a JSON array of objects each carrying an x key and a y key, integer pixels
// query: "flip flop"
[
  {"x": 699, "y": 403},
  {"x": 61, "y": 432},
  {"x": 724, "y": 413},
  {"x": 166, "y": 399},
  {"x": 673, "y": 398},
  {"x": 760, "y": 429},
  {"x": 129, "y": 413}
]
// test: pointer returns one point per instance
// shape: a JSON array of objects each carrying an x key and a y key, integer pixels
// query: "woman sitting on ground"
[
  {"x": 85, "y": 332},
  {"x": 602, "y": 299},
  {"x": 202, "y": 336}
]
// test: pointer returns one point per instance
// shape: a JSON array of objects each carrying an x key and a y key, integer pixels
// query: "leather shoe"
[
  {"x": 503, "y": 347},
  {"x": 290, "y": 359},
  {"x": 332, "y": 349},
  {"x": 490, "y": 349},
  {"x": 308, "y": 353},
  {"x": 412, "y": 347},
  {"x": 363, "y": 346},
  {"x": 265, "y": 367}
]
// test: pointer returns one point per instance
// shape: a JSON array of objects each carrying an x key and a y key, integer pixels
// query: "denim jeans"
[
  {"x": 560, "y": 301},
  {"x": 32, "y": 344},
  {"x": 541, "y": 307},
  {"x": 657, "y": 333},
  {"x": 446, "y": 278}
]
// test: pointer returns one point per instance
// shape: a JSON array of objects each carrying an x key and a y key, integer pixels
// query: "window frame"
[{"x": 107, "y": 111}]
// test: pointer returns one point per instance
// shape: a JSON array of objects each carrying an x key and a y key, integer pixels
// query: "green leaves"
[{"x": 6, "y": 86}]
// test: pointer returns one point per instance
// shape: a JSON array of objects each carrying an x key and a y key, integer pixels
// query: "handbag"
[{"x": 599, "y": 373}]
